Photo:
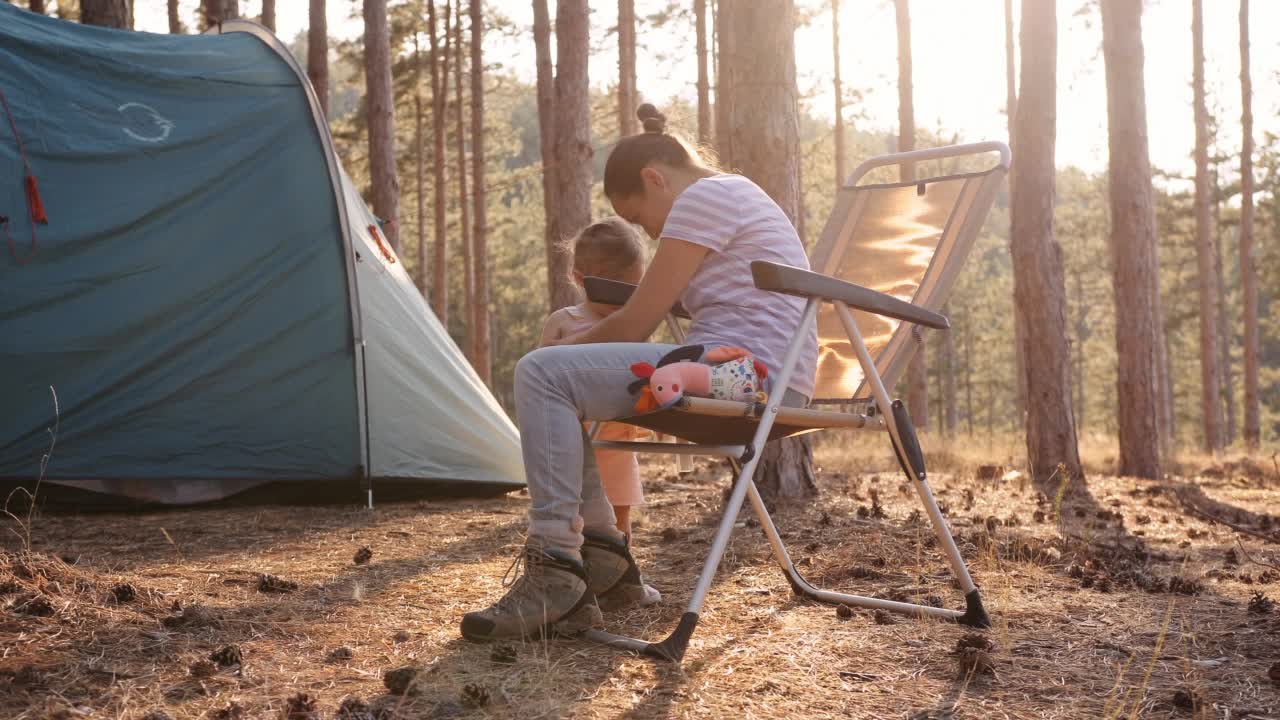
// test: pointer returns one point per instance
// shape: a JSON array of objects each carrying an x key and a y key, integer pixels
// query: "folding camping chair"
[{"x": 882, "y": 243}]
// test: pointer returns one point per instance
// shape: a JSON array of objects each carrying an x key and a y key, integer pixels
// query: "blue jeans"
[{"x": 557, "y": 388}]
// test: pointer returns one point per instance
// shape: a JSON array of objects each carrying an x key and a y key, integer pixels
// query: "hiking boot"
[
  {"x": 547, "y": 595},
  {"x": 612, "y": 574}
]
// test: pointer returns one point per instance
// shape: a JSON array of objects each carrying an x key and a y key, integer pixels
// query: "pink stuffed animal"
[{"x": 735, "y": 375}]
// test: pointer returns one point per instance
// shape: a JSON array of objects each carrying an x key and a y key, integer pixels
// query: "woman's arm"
[{"x": 668, "y": 275}]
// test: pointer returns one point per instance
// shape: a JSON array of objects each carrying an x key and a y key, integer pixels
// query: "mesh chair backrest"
[{"x": 905, "y": 239}]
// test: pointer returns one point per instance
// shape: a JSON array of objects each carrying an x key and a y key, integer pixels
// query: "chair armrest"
[
  {"x": 803, "y": 283},
  {"x": 614, "y": 292}
]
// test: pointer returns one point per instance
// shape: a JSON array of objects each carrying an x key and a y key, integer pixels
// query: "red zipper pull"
[{"x": 33, "y": 198}]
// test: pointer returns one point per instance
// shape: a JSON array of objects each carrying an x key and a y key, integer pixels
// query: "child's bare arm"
[{"x": 553, "y": 328}]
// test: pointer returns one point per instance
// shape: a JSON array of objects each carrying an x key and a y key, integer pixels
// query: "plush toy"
[{"x": 723, "y": 373}]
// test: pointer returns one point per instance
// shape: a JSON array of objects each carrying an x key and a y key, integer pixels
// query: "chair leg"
[
  {"x": 803, "y": 588},
  {"x": 974, "y": 615},
  {"x": 906, "y": 448},
  {"x": 674, "y": 645}
]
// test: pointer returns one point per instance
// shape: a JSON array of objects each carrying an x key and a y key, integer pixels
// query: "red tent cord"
[
  {"x": 386, "y": 252},
  {"x": 35, "y": 208}
]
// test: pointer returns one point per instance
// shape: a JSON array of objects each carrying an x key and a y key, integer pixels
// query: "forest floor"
[{"x": 1126, "y": 602}]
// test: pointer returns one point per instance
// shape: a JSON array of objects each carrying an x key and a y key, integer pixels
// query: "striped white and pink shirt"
[{"x": 740, "y": 223}]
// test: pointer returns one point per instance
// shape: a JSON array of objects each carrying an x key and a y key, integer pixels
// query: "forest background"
[{"x": 960, "y": 71}]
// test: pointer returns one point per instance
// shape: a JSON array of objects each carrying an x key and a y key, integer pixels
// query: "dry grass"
[{"x": 1123, "y": 647}]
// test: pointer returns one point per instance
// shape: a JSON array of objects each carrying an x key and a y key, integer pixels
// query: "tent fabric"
[
  {"x": 192, "y": 299},
  {"x": 399, "y": 328}
]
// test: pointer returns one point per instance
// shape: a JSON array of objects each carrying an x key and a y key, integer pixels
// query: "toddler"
[{"x": 613, "y": 250}]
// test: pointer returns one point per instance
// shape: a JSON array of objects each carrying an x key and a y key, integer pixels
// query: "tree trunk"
[
  {"x": 704, "y": 83},
  {"x": 269, "y": 14},
  {"x": 106, "y": 13},
  {"x": 757, "y": 99},
  {"x": 1132, "y": 240},
  {"x": 1082, "y": 328},
  {"x": 380, "y": 111},
  {"x": 318, "y": 54},
  {"x": 949, "y": 376},
  {"x": 464, "y": 190},
  {"x": 1248, "y": 270},
  {"x": 439, "y": 67},
  {"x": 1224, "y": 333},
  {"x": 627, "y": 121},
  {"x": 720, "y": 47},
  {"x": 1039, "y": 289},
  {"x": 758, "y": 96},
  {"x": 968, "y": 374},
  {"x": 917, "y": 371},
  {"x": 419, "y": 192},
  {"x": 560, "y": 289},
  {"x": 1210, "y": 373},
  {"x": 839, "y": 92},
  {"x": 1011, "y": 111},
  {"x": 37, "y": 6},
  {"x": 479, "y": 255},
  {"x": 215, "y": 11},
  {"x": 1167, "y": 417},
  {"x": 906, "y": 99},
  {"x": 572, "y": 124},
  {"x": 175, "y": 19},
  {"x": 1010, "y": 69}
]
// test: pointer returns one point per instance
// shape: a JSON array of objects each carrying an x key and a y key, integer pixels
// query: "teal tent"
[{"x": 210, "y": 299}]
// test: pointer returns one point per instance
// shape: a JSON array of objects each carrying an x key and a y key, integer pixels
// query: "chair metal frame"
[{"x": 885, "y": 414}]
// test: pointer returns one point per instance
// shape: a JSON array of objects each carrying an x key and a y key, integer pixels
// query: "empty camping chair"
[{"x": 885, "y": 263}]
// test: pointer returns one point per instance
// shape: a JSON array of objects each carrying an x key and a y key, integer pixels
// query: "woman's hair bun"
[{"x": 652, "y": 120}]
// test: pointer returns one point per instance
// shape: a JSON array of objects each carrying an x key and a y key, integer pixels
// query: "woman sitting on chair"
[{"x": 710, "y": 226}]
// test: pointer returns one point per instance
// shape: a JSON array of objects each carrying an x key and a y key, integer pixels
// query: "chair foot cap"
[
  {"x": 673, "y": 647},
  {"x": 974, "y": 614}
]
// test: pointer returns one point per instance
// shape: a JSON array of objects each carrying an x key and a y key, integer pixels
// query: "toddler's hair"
[{"x": 607, "y": 248}]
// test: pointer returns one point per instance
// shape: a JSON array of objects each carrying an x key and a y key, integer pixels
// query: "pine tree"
[
  {"x": 1133, "y": 241},
  {"x": 704, "y": 84},
  {"x": 438, "y": 66},
  {"x": 1039, "y": 291},
  {"x": 838, "y": 91},
  {"x": 627, "y": 98},
  {"x": 464, "y": 189},
  {"x": 1210, "y": 373},
  {"x": 1248, "y": 268},
  {"x": 175, "y": 20},
  {"x": 479, "y": 251},
  {"x": 318, "y": 54},
  {"x": 560, "y": 290},
  {"x": 106, "y": 13},
  {"x": 380, "y": 113},
  {"x": 419, "y": 174},
  {"x": 572, "y": 116},
  {"x": 757, "y": 98},
  {"x": 917, "y": 370},
  {"x": 1011, "y": 111},
  {"x": 269, "y": 14}
]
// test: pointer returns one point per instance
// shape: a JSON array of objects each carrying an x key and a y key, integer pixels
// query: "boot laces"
[{"x": 522, "y": 577}]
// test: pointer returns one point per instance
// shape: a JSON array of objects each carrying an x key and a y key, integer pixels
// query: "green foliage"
[{"x": 981, "y": 308}]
